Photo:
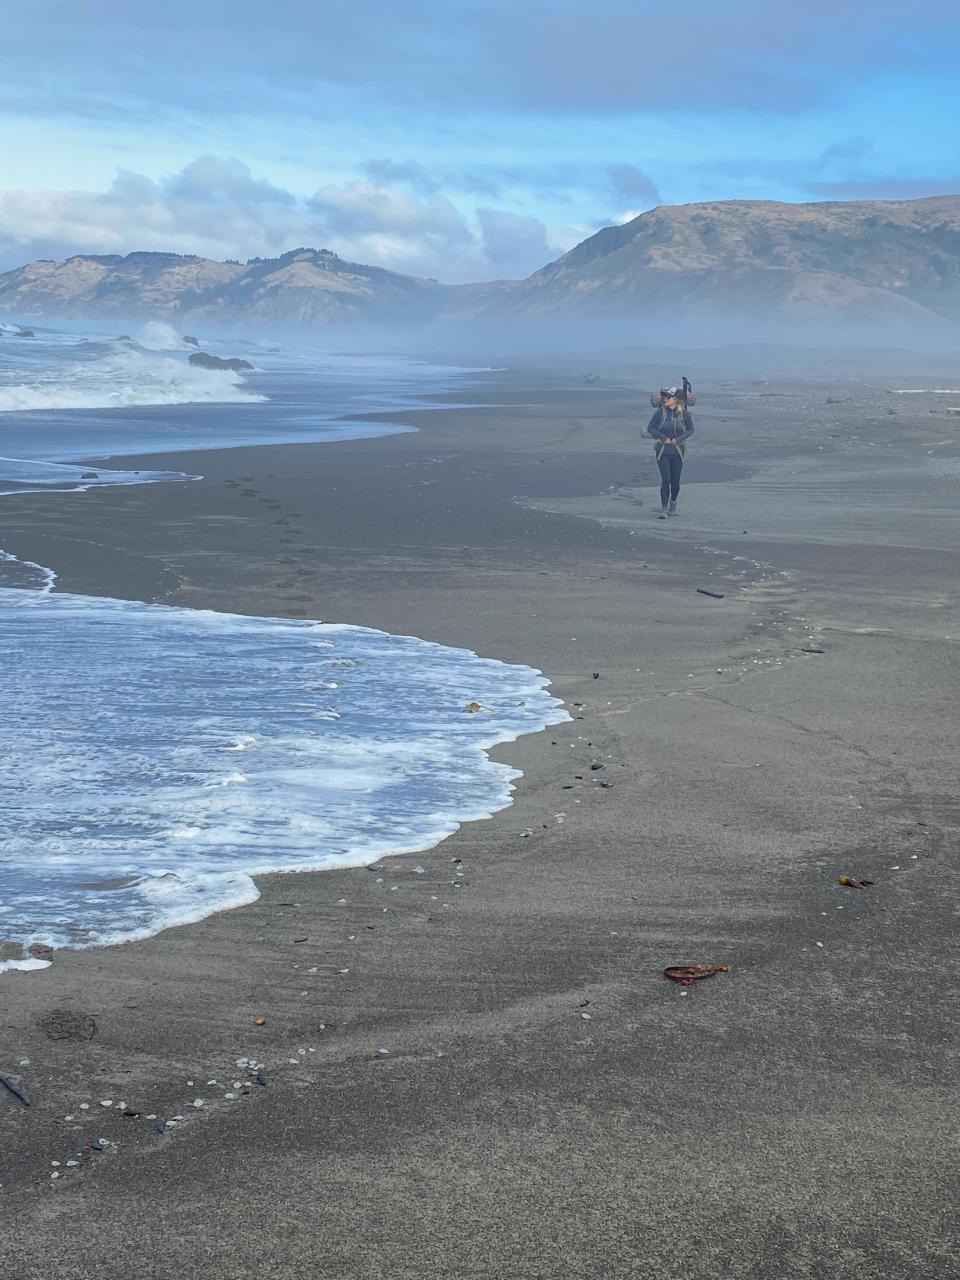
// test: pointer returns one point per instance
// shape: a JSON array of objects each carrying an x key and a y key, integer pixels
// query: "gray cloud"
[
  {"x": 216, "y": 208},
  {"x": 850, "y": 150},
  {"x": 513, "y": 241},
  {"x": 541, "y": 56},
  {"x": 633, "y": 183},
  {"x": 885, "y": 188}
]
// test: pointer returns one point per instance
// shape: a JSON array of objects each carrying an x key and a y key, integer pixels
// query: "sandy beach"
[{"x": 477, "y": 1069}]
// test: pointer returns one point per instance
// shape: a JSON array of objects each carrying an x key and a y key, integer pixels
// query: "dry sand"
[{"x": 488, "y": 1076}]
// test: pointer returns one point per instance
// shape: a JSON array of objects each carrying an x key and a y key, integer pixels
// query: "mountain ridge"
[{"x": 891, "y": 266}]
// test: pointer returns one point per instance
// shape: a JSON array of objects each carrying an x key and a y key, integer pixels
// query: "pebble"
[
  {"x": 107, "y": 1102},
  {"x": 72, "y": 1164},
  {"x": 198, "y": 1103},
  {"x": 55, "y": 1164},
  {"x": 585, "y": 1016},
  {"x": 84, "y": 1106},
  {"x": 229, "y": 1095},
  {"x": 55, "y": 1175},
  {"x": 68, "y": 1117}
]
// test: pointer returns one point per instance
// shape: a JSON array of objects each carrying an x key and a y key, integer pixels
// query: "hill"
[
  {"x": 759, "y": 266},
  {"x": 737, "y": 270}
]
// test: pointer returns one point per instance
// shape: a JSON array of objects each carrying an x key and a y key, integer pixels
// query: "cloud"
[
  {"x": 406, "y": 173},
  {"x": 409, "y": 173},
  {"x": 852, "y": 149},
  {"x": 512, "y": 241},
  {"x": 217, "y": 208},
  {"x": 629, "y": 181},
  {"x": 888, "y": 188},
  {"x": 213, "y": 178},
  {"x": 544, "y": 56}
]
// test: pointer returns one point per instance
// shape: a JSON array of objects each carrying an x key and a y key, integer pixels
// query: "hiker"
[{"x": 670, "y": 427}]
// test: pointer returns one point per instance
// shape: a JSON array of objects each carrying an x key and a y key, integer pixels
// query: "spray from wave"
[
  {"x": 126, "y": 376},
  {"x": 159, "y": 335}
]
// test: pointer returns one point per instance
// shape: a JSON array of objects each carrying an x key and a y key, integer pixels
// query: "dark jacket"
[{"x": 666, "y": 422}]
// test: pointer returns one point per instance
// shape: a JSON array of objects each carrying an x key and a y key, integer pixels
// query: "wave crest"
[{"x": 128, "y": 377}]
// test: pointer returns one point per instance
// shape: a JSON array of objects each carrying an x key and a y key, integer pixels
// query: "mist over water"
[{"x": 75, "y": 397}]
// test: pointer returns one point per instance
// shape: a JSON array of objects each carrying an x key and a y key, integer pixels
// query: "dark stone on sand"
[
  {"x": 204, "y": 361},
  {"x": 11, "y": 951},
  {"x": 194, "y": 342},
  {"x": 65, "y": 1024},
  {"x": 89, "y": 475},
  {"x": 40, "y": 951},
  {"x": 25, "y": 333}
]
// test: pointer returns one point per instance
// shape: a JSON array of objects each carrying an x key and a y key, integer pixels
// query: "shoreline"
[{"x": 526, "y": 534}]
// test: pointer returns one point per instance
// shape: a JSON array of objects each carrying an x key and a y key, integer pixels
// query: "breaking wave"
[{"x": 126, "y": 376}]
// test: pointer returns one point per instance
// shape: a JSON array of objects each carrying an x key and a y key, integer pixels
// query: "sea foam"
[
  {"x": 124, "y": 377},
  {"x": 164, "y": 757}
]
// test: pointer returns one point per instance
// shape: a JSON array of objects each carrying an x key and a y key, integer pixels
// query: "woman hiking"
[{"x": 671, "y": 427}]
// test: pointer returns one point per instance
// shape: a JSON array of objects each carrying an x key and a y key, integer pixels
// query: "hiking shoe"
[{"x": 672, "y": 509}]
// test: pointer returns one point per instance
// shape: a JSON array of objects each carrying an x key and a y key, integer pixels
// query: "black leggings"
[{"x": 670, "y": 464}]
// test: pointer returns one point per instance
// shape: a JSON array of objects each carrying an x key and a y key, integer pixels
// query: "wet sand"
[{"x": 480, "y": 1071}]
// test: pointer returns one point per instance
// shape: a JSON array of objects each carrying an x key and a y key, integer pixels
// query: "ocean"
[{"x": 157, "y": 758}]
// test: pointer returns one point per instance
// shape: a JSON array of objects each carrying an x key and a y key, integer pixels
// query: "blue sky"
[{"x": 458, "y": 140}]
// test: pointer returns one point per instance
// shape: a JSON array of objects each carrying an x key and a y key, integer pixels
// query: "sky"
[{"x": 456, "y": 139}]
